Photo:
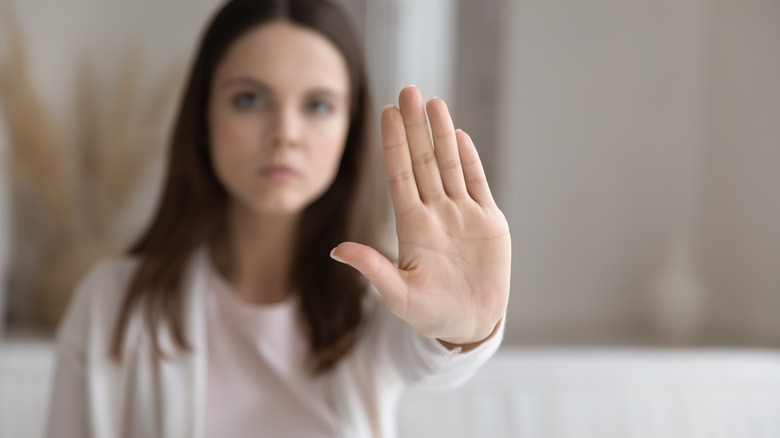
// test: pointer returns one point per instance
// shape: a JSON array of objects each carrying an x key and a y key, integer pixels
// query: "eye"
[
  {"x": 319, "y": 107},
  {"x": 248, "y": 101}
]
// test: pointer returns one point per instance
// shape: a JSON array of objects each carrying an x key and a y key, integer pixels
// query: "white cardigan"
[{"x": 146, "y": 397}]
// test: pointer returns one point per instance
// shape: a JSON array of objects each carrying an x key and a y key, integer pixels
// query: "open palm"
[{"x": 452, "y": 279}]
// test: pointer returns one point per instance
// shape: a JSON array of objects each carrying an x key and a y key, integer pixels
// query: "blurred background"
[{"x": 633, "y": 145}]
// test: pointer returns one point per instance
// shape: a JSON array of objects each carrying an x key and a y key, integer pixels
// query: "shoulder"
[
  {"x": 112, "y": 269},
  {"x": 106, "y": 280},
  {"x": 98, "y": 294},
  {"x": 93, "y": 306}
]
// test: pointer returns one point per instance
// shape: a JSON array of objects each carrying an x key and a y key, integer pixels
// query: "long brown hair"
[{"x": 193, "y": 202}]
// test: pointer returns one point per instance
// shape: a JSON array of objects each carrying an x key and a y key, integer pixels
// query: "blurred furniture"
[
  {"x": 608, "y": 393},
  {"x": 534, "y": 393},
  {"x": 25, "y": 374}
]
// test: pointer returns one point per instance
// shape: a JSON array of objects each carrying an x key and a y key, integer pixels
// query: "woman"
[{"x": 228, "y": 318}]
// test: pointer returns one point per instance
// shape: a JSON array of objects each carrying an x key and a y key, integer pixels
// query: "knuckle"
[
  {"x": 452, "y": 164},
  {"x": 445, "y": 136},
  {"x": 477, "y": 180},
  {"x": 401, "y": 177},
  {"x": 416, "y": 124},
  {"x": 459, "y": 195},
  {"x": 471, "y": 162},
  {"x": 426, "y": 159},
  {"x": 433, "y": 195},
  {"x": 394, "y": 144}
]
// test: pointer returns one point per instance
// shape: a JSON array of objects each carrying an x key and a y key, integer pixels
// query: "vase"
[{"x": 678, "y": 295}]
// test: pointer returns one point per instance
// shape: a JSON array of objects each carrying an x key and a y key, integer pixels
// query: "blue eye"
[
  {"x": 319, "y": 107},
  {"x": 247, "y": 101}
]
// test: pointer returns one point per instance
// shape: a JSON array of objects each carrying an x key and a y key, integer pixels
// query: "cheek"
[
  {"x": 227, "y": 132},
  {"x": 230, "y": 138},
  {"x": 328, "y": 157}
]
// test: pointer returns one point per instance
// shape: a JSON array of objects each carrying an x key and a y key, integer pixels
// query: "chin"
[
  {"x": 281, "y": 202},
  {"x": 280, "y": 207}
]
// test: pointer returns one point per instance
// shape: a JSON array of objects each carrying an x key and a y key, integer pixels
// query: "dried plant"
[
  {"x": 119, "y": 143},
  {"x": 38, "y": 155},
  {"x": 82, "y": 184}
]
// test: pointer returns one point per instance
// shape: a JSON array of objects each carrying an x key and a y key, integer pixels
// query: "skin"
[
  {"x": 452, "y": 279},
  {"x": 278, "y": 117}
]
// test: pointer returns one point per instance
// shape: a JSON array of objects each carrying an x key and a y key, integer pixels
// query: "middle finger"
[{"x": 426, "y": 169}]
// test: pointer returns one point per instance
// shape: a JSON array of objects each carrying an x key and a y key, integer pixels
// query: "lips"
[{"x": 278, "y": 173}]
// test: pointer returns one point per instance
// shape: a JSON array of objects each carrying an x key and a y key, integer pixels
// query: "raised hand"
[{"x": 452, "y": 279}]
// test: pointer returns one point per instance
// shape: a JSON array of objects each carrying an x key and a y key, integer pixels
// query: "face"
[{"x": 278, "y": 118}]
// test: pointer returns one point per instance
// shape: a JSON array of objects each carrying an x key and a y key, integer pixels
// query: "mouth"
[{"x": 278, "y": 173}]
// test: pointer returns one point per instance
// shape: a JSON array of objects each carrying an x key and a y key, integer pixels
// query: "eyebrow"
[
  {"x": 258, "y": 84},
  {"x": 322, "y": 91},
  {"x": 245, "y": 80}
]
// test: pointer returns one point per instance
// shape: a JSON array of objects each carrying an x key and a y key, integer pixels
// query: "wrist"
[{"x": 468, "y": 346}]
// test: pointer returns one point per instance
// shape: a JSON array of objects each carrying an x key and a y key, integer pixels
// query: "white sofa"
[
  {"x": 540, "y": 393},
  {"x": 608, "y": 393}
]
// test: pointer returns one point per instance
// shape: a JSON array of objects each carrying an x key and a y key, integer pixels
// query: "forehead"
[{"x": 287, "y": 57}]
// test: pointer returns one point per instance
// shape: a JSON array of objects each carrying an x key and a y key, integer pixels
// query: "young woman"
[{"x": 228, "y": 318}]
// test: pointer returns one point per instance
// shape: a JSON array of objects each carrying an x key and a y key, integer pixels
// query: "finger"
[
  {"x": 473, "y": 172},
  {"x": 398, "y": 162},
  {"x": 379, "y": 271},
  {"x": 426, "y": 170},
  {"x": 445, "y": 146}
]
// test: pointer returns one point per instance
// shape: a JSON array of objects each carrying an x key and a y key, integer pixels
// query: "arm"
[{"x": 418, "y": 360}]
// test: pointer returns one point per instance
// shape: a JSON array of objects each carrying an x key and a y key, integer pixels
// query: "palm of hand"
[{"x": 452, "y": 279}]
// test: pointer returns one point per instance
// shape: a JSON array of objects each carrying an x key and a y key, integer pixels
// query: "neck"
[{"x": 254, "y": 254}]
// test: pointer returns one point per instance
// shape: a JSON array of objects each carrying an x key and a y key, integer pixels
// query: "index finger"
[{"x": 398, "y": 162}]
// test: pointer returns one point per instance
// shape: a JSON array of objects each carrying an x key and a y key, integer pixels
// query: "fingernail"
[
  {"x": 434, "y": 98},
  {"x": 333, "y": 256},
  {"x": 411, "y": 86},
  {"x": 389, "y": 105}
]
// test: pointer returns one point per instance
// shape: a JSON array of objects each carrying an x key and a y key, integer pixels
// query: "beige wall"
[
  {"x": 622, "y": 125},
  {"x": 60, "y": 35},
  {"x": 740, "y": 216}
]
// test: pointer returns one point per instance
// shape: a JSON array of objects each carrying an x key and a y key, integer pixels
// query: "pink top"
[
  {"x": 243, "y": 376},
  {"x": 257, "y": 382}
]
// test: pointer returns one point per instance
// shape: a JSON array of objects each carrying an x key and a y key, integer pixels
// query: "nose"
[{"x": 287, "y": 127}]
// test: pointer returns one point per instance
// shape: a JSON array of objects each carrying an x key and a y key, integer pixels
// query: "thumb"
[{"x": 379, "y": 271}]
